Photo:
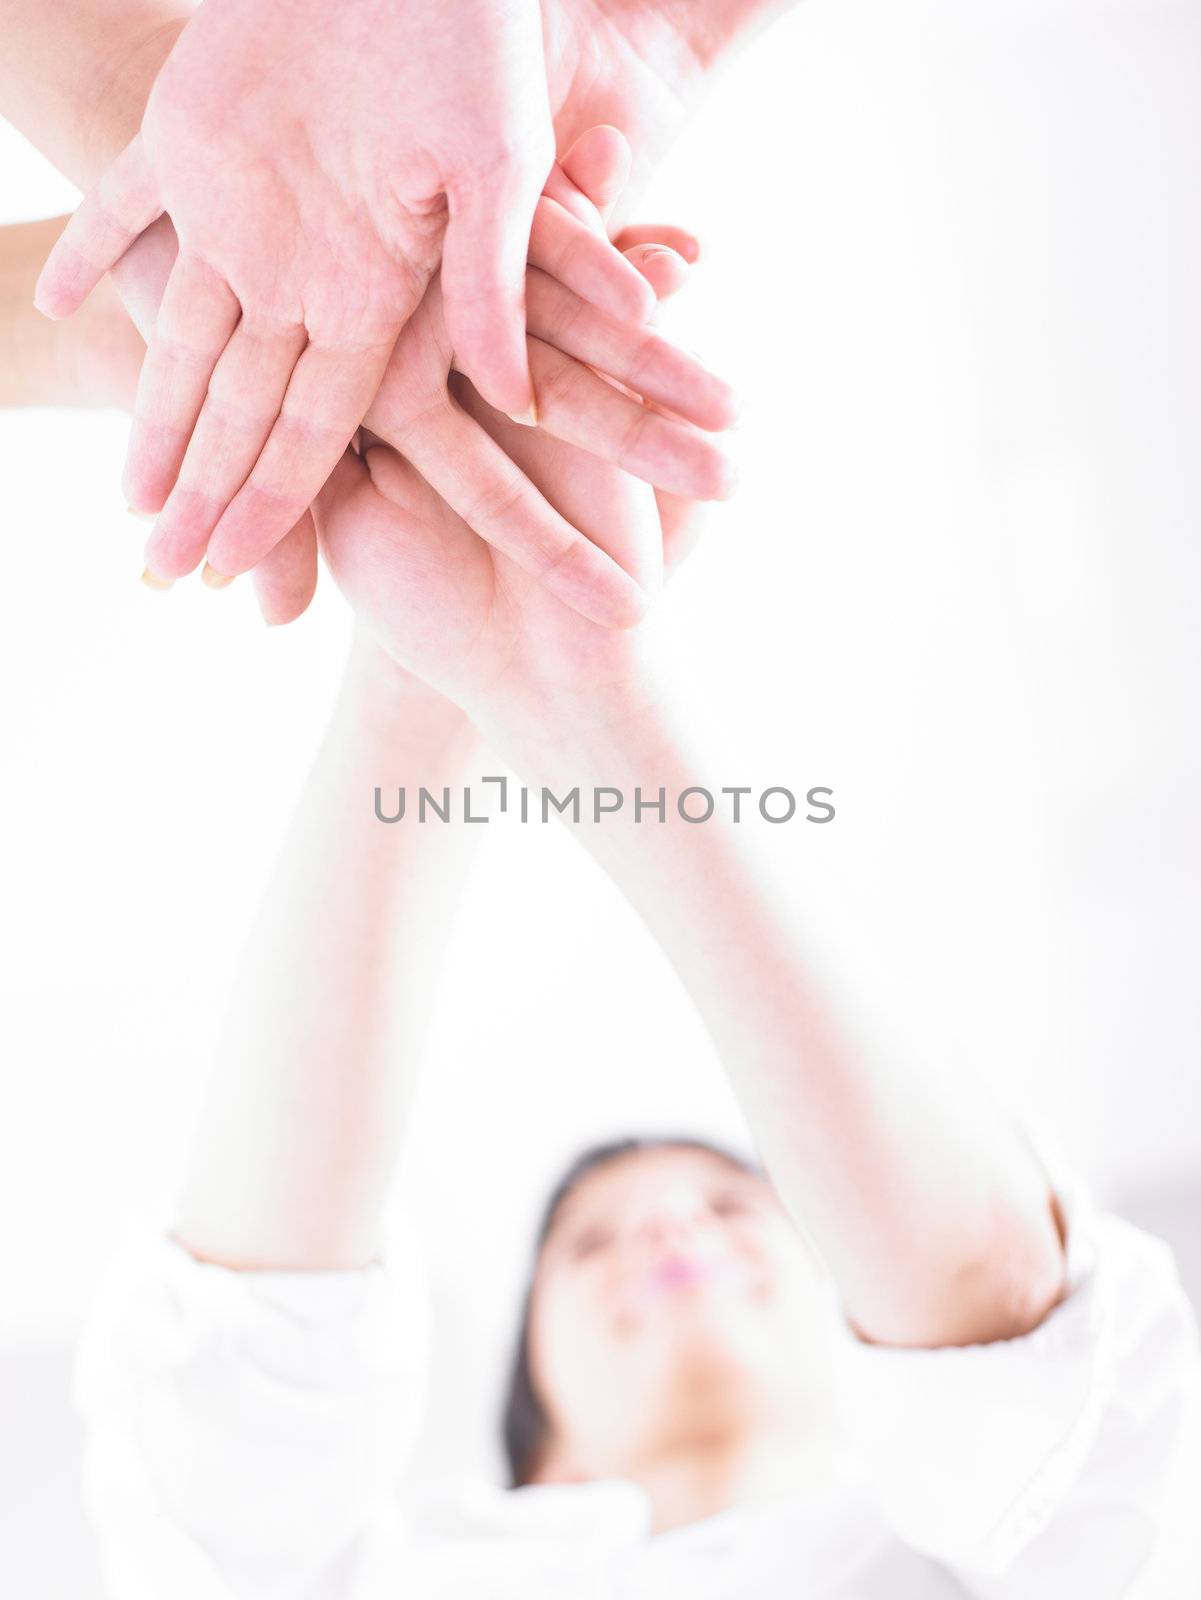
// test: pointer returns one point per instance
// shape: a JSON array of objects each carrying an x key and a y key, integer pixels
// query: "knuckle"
[
  {"x": 501, "y": 500},
  {"x": 558, "y": 312},
  {"x": 407, "y": 417},
  {"x": 557, "y": 382},
  {"x": 644, "y": 358},
  {"x": 634, "y": 440}
]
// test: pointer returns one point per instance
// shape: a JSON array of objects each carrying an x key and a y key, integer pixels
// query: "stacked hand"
[
  {"x": 505, "y": 497},
  {"x": 459, "y": 611},
  {"x": 416, "y": 411},
  {"x": 314, "y": 191}
]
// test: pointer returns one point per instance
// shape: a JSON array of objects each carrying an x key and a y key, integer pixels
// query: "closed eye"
[{"x": 590, "y": 1242}]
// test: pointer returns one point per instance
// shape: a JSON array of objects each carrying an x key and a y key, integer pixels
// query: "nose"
[{"x": 673, "y": 1218}]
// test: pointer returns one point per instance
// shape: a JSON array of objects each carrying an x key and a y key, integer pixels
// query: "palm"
[
  {"x": 621, "y": 62},
  {"x": 297, "y": 182},
  {"x": 454, "y": 610}
]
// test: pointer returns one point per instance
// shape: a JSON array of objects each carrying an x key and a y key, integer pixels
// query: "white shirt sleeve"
[
  {"x": 1018, "y": 1463},
  {"x": 245, "y": 1430}
]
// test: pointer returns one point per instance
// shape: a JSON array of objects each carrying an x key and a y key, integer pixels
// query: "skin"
[
  {"x": 415, "y": 409},
  {"x": 77, "y": 82},
  {"x": 308, "y": 238},
  {"x": 93, "y": 362},
  {"x": 677, "y": 1336},
  {"x": 318, "y": 232},
  {"x": 930, "y": 1213},
  {"x": 930, "y": 1209},
  {"x": 96, "y": 362}
]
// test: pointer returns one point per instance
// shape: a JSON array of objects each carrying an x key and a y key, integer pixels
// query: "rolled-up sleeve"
[
  {"x": 1059, "y": 1458},
  {"x": 244, "y": 1430}
]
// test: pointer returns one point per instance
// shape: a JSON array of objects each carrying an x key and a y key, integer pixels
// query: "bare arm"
[
  {"x": 74, "y": 78},
  {"x": 318, "y": 1059},
  {"x": 926, "y": 1203},
  {"x": 933, "y": 1215},
  {"x": 92, "y": 361}
]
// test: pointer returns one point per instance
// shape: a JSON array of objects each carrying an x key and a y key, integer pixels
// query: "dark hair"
[{"x": 524, "y": 1421}]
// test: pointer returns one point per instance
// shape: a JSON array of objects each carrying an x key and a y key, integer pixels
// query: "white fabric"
[{"x": 246, "y": 1430}]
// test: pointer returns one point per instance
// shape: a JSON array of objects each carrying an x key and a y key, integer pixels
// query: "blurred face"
[{"x": 673, "y": 1304}]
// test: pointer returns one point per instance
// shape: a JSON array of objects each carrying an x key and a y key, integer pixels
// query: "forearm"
[
  {"x": 718, "y": 29},
  {"x": 930, "y": 1211},
  {"x": 319, "y": 1051},
  {"x": 31, "y": 358},
  {"x": 90, "y": 360},
  {"x": 75, "y": 78}
]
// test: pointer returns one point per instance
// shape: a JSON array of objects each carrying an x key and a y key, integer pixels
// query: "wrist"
[
  {"x": 113, "y": 95},
  {"x": 593, "y": 702},
  {"x": 389, "y": 695},
  {"x": 619, "y": 737},
  {"x": 716, "y": 29},
  {"x": 30, "y": 367}
]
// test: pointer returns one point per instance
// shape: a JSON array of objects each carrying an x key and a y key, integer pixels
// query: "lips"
[{"x": 679, "y": 1272}]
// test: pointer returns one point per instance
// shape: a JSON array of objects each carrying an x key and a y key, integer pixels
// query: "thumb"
[{"x": 483, "y": 285}]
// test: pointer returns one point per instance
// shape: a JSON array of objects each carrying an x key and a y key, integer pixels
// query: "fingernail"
[
  {"x": 142, "y": 516},
  {"x": 153, "y": 581},
  {"x": 527, "y": 419},
  {"x": 213, "y": 579}
]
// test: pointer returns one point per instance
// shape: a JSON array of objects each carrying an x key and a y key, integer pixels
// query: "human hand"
[
  {"x": 417, "y": 412},
  {"x": 455, "y": 611},
  {"x": 460, "y": 613},
  {"x": 308, "y": 237}
]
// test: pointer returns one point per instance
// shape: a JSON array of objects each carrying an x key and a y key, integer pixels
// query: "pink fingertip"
[
  {"x": 726, "y": 486},
  {"x": 626, "y": 295},
  {"x": 648, "y": 298},
  {"x": 727, "y": 407},
  {"x": 613, "y": 600},
  {"x": 64, "y": 284}
]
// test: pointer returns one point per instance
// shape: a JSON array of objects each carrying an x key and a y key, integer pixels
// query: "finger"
[
  {"x": 109, "y": 219},
  {"x": 348, "y": 480},
  {"x": 682, "y": 522},
  {"x": 559, "y": 187},
  {"x": 197, "y": 316},
  {"x": 598, "y": 164},
  {"x": 285, "y": 580},
  {"x": 327, "y": 397},
  {"x": 583, "y": 260},
  {"x": 494, "y": 497},
  {"x": 245, "y": 394},
  {"x": 396, "y": 479},
  {"x": 678, "y": 239},
  {"x": 663, "y": 269},
  {"x": 582, "y": 409},
  {"x": 483, "y": 288},
  {"x": 635, "y": 357},
  {"x": 143, "y": 272}
]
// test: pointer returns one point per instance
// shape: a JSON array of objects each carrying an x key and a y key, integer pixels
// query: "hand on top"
[
  {"x": 318, "y": 165},
  {"x": 460, "y": 612}
]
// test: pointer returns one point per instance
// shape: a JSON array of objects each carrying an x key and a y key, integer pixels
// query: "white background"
[{"x": 953, "y": 262}]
